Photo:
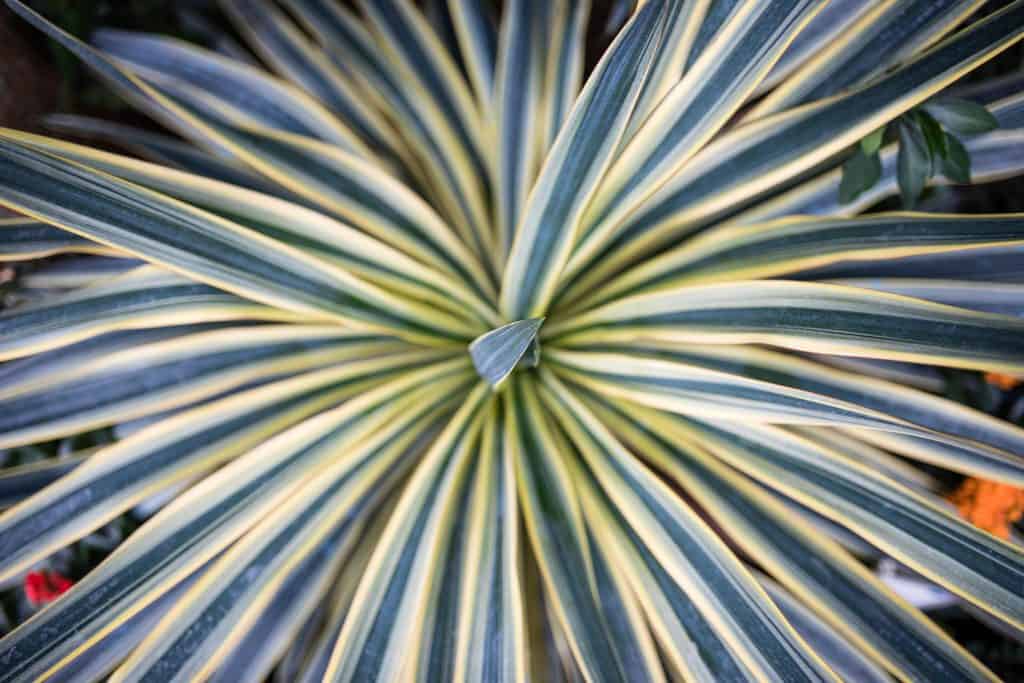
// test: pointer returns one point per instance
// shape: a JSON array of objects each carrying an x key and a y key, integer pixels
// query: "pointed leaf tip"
[{"x": 496, "y": 353}]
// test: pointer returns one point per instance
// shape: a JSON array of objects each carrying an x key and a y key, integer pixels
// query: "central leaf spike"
[{"x": 496, "y": 353}]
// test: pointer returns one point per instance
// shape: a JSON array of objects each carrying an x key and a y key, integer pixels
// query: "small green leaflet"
[
  {"x": 873, "y": 142},
  {"x": 962, "y": 116},
  {"x": 496, "y": 353},
  {"x": 914, "y": 163},
  {"x": 860, "y": 172},
  {"x": 928, "y": 146}
]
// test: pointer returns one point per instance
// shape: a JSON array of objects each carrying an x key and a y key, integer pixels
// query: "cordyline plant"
[{"x": 450, "y": 342}]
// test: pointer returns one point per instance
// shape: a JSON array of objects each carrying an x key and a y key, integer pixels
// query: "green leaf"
[
  {"x": 934, "y": 137},
  {"x": 873, "y": 142},
  {"x": 860, "y": 172},
  {"x": 496, "y": 353},
  {"x": 957, "y": 164},
  {"x": 915, "y": 162},
  {"x": 962, "y": 116}
]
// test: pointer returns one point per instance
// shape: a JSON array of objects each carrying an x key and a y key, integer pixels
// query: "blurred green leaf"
[
  {"x": 914, "y": 162},
  {"x": 872, "y": 143},
  {"x": 860, "y": 172},
  {"x": 957, "y": 164},
  {"x": 962, "y": 116},
  {"x": 935, "y": 138}
]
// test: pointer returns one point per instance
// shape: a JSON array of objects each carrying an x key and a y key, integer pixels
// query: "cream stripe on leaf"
[
  {"x": 275, "y": 637},
  {"x": 249, "y": 92},
  {"x": 287, "y": 50},
  {"x": 329, "y": 179},
  {"x": 166, "y": 375},
  {"x": 849, "y": 663},
  {"x": 994, "y": 156},
  {"x": 478, "y": 43},
  {"x": 890, "y": 33},
  {"x": 162, "y": 149},
  {"x": 682, "y": 23},
  {"x": 792, "y": 245},
  {"x": 340, "y": 182},
  {"x": 340, "y": 596},
  {"x": 25, "y": 239},
  {"x": 54, "y": 277},
  {"x": 662, "y": 381},
  {"x": 990, "y": 297},
  {"x": 47, "y": 368},
  {"x": 806, "y": 316},
  {"x": 692, "y": 111},
  {"x": 579, "y": 157},
  {"x": 563, "y": 66},
  {"x": 452, "y": 181},
  {"x": 383, "y": 635},
  {"x": 832, "y": 21},
  {"x": 996, "y": 264},
  {"x": 695, "y": 557},
  {"x": 916, "y": 530},
  {"x": 143, "y": 298},
  {"x": 606, "y": 645},
  {"x": 198, "y": 633},
  {"x": 417, "y": 59},
  {"x": 207, "y": 248},
  {"x": 837, "y": 586},
  {"x": 692, "y": 648},
  {"x": 416, "y": 54},
  {"x": 750, "y": 161},
  {"x": 200, "y": 524},
  {"x": 492, "y": 639},
  {"x": 888, "y": 405},
  {"x": 181, "y": 447},
  {"x": 517, "y": 98},
  {"x": 18, "y": 482},
  {"x": 429, "y": 254}
]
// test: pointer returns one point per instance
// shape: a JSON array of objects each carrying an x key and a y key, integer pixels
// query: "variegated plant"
[{"x": 461, "y": 363}]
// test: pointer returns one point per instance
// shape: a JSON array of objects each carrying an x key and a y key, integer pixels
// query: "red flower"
[{"x": 45, "y": 587}]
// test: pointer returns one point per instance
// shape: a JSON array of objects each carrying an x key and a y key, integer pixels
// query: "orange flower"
[
  {"x": 1004, "y": 382},
  {"x": 989, "y": 505}
]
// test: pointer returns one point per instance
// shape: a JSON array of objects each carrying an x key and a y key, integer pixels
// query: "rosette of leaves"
[{"x": 469, "y": 363}]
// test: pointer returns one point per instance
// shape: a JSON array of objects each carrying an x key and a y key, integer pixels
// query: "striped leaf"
[
  {"x": 837, "y": 586},
  {"x": 282, "y": 45},
  {"x": 942, "y": 432},
  {"x": 692, "y": 111},
  {"x": 572, "y": 170},
  {"x": 908, "y": 526},
  {"x": 215, "y": 614},
  {"x": 716, "y": 582},
  {"x": 174, "y": 450},
  {"x": 890, "y": 33},
  {"x": 149, "y": 379},
  {"x": 146, "y": 297},
  {"x": 207, "y": 248},
  {"x": 806, "y": 316},
  {"x": 404, "y": 569},
  {"x": 478, "y": 42},
  {"x": 491, "y": 642},
  {"x": 788, "y": 246},
  {"x": 195, "y": 528},
  {"x": 606, "y": 645},
  {"x": 751, "y": 160},
  {"x": 24, "y": 239},
  {"x": 421, "y": 264}
]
